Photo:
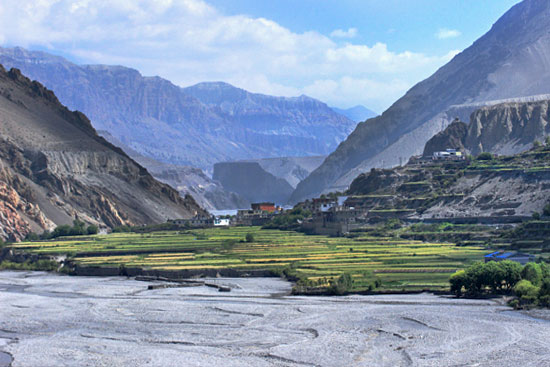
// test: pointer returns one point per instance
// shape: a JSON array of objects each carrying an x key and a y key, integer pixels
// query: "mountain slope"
[
  {"x": 54, "y": 168},
  {"x": 197, "y": 126},
  {"x": 209, "y": 194},
  {"x": 511, "y": 60}
]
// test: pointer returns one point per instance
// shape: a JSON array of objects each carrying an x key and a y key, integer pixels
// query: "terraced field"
[{"x": 399, "y": 264}]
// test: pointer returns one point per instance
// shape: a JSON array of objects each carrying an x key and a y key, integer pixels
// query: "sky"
[{"x": 344, "y": 52}]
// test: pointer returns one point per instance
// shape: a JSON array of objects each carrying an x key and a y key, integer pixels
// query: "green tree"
[
  {"x": 533, "y": 273},
  {"x": 537, "y": 144},
  {"x": 249, "y": 237},
  {"x": 512, "y": 273},
  {"x": 544, "y": 293},
  {"x": 485, "y": 156},
  {"x": 92, "y": 229},
  {"x": 458, "y": 281},
  {"x": 526, "y": 291}
]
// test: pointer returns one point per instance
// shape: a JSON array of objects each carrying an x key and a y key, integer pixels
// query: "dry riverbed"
[{"x": 52, "y": 320}]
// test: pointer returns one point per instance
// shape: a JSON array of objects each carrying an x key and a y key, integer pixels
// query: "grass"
[{"x": 399, "y": 264}]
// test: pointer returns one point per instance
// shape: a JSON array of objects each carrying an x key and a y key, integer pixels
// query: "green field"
[{"x": 399, "y": 264}]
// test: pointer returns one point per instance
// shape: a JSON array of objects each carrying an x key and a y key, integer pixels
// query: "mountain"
[
  {"x": 358, "y": 113},
  {"x": 512, "y": 60},
  {"x": 196, "y": 126},
  {"x": 55, "y": 168},
  {"x": 281, "y": 175},
  {"x": 209, "y": 194},
  {"x": 251, "y": 181},
  {"x": 503, "y": 129}
]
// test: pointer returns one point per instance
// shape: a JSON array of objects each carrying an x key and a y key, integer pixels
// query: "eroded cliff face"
[
  {"x": 55, "y": 168},
  {"x": 508, "y": 128},
  {"x": 504, "y": 129}
]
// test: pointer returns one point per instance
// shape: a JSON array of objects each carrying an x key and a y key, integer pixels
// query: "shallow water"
[{"x": 52, "y": 320}]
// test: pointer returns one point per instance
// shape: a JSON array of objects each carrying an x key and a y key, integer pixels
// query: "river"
[{"x": 53, "y": 320}]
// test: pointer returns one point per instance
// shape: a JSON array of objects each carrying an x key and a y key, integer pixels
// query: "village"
[{"x": 382, "y": 197}]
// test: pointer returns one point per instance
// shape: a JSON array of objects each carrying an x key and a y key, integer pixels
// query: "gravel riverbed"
[{"x": 52, "y": 320}]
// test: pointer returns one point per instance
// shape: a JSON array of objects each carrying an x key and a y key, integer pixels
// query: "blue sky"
[{"x": 343, "y": 52}]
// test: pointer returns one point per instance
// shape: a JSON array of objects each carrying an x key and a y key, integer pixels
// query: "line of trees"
[
  {"x": 78, "y": 228},
  {"x": 530, "y": 283}
]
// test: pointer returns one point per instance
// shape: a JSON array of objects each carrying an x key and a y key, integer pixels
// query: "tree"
[
  {"x": 544, "y": 293},
  {"x": 537, "y": 144},
  {"x": 92, "y": 229},
  {"x": 458, "y": 281},
  {"x": 485, "y": 156},
  {"x": 512, "y": 273},
  {"x": 533, "y": 273},
  {"x": 526, "y": 291},
  {"x": 536, "y": 216},
  {"x": 249, "y": 237},
  {"x": 548, "y": 141}
]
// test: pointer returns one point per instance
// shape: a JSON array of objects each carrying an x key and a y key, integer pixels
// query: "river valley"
[{"x": 52, "y": 320}]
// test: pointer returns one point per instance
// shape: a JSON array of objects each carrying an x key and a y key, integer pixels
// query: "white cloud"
[
  {"x": 445, "y": 33},
  {"x": 189, "y": 41},
  {"x": 340, "y": 33}
]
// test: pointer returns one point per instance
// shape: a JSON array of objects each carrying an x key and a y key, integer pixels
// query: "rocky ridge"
[{"x": 55, "y": 168}]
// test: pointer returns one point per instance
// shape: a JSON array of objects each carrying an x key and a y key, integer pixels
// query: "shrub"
[
  {"x": 92, "y": 229},
  {"x": 533, "y": 273},
  {"x": 536, "y": 216},
  {"x": 249, "y": 237},
  {"x": 458, "y": 281},
  {"x": 526, "y": 291},
  {"x": 485, "y": 156},
  {"x": 537, "y": 144},
  {"x": 546, "y": 211},
  {"x": 342, "y": 285}
]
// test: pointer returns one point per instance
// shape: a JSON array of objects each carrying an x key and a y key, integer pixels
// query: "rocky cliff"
[
  {"x": 511, "y": 60},
  {"x": 196, "y": 126},
  {"x": 281, "y": 174},
  {"x": 506, "y": 128},
  {"x": 251, "y": 181},
  {"x": 55, "y": 168}
]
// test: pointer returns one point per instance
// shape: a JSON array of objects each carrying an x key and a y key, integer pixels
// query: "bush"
[
  {"x": 485, "y": 156},
  {"x": 249, "y": 237},
  {"x": 536, "y": 216},
  {"x": 458, "y": 281},
  {"x": 92, "y": 229},
  {"x": 546, "y": 211},
  {"x": 533, "y": 273},
  {"x": 537, "y": 144},
  {"x": 342, "y": 285},
  {"x": 526, "y": 291}
]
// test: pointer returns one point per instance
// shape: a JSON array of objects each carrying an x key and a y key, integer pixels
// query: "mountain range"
[
  {"x": 512, "y": 60},
  {"x": 54, "y": 168},
  {"x": 195, "y": 126}
]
